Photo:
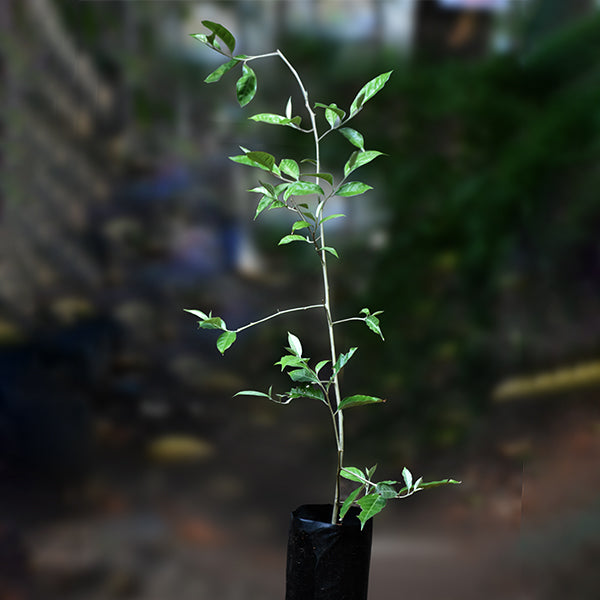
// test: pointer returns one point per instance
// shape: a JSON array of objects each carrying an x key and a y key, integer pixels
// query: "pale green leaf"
[
  {"x": 386, "y": 491},
  {"x": 430, "y": 484},
  {"x": 373, "y": 324},
  {"x": 330, "y": 217},
  {"x": 253, "y": 393},
  {"x": 295, "y": 345},
  {"x": 291, "y": 361},
  {"x": 263, "y": 204},
  {"x": 290, "y": 167},
  {"x": 331, "y": 250},
  {"x": 300, "y": 225},
  {"x": 219, "y": 72},
  {"x": 408, "y": 478},
  {"x": 371, "y": 471},
  {"x": 353, "y": 474},
  {"x": 332, "y": 116},
  {"x": 368, "y": 91},
  {"x": 320, "y": 365},
  {"x": 226, "y": 339},
  {"x": 288, "y": 108},
  {"x": 370, "y": 504},
  {"x": 349, "y": 501},
  {"x": 213, "y": 323},
  {"x": 246, "y": 85},
  {"x": 332, "y": 108},
  {"x": 288, "y": 239},
  {"x": 272, "y": 119},
  {"x": 358, "y": 400},
  {"x": 353, "y": 136},
  {"x": 353, "y": 188}
]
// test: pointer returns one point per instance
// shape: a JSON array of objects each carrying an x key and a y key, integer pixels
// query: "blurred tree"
[{"x": 493, "y": 226}]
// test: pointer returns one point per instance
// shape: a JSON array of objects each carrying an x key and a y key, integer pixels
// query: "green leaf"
[
  {"x": 332, "y": 108},
  {"x": 253, "y": 393},
  {"x": 332, "y": 115},
  {"x": 207, "y": 40},
  {"x": 219, "y": 72},
  {"x": 287, "y": 239},
  {"x": 307, "y": 392},
  {"x": 272, "y": 119},
  {"x": 320, "y": 365},
  {"x": 331, "y": 250},
  {"x": 291, "y": 361},
  {"x": 300, "y": 225},
  {"x": 302, "y": 188},
  {"x": 328, "y": 177},
  {"x": 353, "y": 136},
  {"x": 358, "y": 159},
  {"x": 353, "y": 188},
  {"x": 373, "y": 324},
  {"x": 353, "y": 474},
  {"x": 263, "y": 204},
  {"x": 246, "y": 85},
  {"x": 197, "y": 313},
  {"x": 336, "y": 216},
  {"x": 343, "y": 359},
  {"x": 303, "y": 375},
  {"x": 243, "y": 159},
  {"x": 281, "y": 188},
  {"x": 225, "y": 340},
  {"x": 213, "y": 323},
  {"x": 295, "y": 345},
  {"x": 223, "y": 33},
  {"x": 408, "y": 478},
  {"x": 370, "y": 504},
  {"x": 368, "y": 91},
  {"x": 290, "y": 167},
  {"x": 349, "y": 501},
  {"x": 264, "y": 159},
  {"x": 371, "y": 471},
  {"x": 358, "y": 400},
  {"x": 385, "y": 491},
  {"x": 430, "y": 484}
]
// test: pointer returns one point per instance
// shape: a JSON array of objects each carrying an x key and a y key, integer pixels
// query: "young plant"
[{"x": 305, "y": 192}]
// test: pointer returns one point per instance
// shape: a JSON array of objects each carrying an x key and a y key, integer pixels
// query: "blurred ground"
[{"x": 523, "y": 524}]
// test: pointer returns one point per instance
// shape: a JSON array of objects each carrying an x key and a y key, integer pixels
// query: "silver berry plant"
[{"x": 305, "y": 193}]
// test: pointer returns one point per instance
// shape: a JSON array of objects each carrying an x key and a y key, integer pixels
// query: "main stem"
[{"x": 338, "y": 417}]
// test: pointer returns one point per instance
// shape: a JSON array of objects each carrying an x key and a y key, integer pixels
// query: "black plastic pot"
[{"x": 325, "y": 561}]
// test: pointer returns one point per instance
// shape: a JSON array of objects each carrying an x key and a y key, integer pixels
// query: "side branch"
[{"x": 278, "y": 314}]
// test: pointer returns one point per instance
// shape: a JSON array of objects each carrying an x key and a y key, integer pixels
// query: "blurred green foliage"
[{"x": 494, "y": 215}]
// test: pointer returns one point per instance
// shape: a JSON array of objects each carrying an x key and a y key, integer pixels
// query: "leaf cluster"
[{"x": 372, "y": 497}]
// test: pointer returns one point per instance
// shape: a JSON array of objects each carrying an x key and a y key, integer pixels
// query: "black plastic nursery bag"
[{"x": 325, "y": 561}]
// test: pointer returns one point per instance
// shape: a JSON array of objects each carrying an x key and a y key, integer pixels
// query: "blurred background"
[{"x": 127, "y": 470}]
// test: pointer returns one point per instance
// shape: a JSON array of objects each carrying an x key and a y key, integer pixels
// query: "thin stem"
[
  {"x": 348, "y": 319},
  {"x": 338, "y": 415},
  {"x": 278, "y": 314}
]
